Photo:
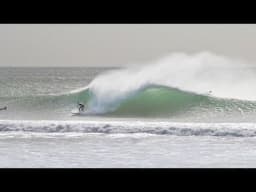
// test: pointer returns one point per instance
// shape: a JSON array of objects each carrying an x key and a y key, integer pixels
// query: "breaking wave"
[
  {"x": 202, "y": 83},
  {"x": 161, "y": 101}
]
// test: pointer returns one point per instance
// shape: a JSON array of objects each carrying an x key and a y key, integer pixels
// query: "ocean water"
[{"x": 200, "y": 113}]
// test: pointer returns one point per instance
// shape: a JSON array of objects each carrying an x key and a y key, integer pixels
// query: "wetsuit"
[{"x": 81, "y": 107}]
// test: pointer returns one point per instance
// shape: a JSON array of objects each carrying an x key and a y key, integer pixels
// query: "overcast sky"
[{"x": 119, "y": 44}]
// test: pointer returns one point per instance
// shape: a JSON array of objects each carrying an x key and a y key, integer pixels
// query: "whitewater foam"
[{"x": 127, "y": 127}]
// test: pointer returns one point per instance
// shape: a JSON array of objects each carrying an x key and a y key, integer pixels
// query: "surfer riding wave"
[{"x": 80, "y": 107}]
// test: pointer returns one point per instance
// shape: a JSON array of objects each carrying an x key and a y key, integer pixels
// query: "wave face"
[{"x": 161, "y": 101}]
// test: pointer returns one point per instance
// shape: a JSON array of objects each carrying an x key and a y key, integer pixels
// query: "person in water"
[
  {"x": 81, "y": 107},
  {"x": 4, "y": 108}
]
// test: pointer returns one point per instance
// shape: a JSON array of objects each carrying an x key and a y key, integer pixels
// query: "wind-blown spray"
[{"x": 198, "y": 73}]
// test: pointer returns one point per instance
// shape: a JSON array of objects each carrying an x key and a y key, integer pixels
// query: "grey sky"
[{"x": 118, "y": 44}]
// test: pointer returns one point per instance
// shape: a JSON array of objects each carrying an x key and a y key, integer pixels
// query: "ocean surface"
[{"x": 137, "y": 117}]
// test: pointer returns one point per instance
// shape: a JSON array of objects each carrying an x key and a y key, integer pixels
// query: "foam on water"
[{"x": 126, "y": 127}]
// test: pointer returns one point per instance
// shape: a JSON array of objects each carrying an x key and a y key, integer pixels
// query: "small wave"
[{"x": 157, "y": 128}]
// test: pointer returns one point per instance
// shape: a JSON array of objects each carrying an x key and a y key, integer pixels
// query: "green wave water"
[
  {"x": 151, "y": 101},
  {"x": 157, "y": 101}
]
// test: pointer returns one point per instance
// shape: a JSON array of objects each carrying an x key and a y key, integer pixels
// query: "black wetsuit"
[{"x": 81, "y": 107}]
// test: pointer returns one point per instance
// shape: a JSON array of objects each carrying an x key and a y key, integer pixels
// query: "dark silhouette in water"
[
  {"x": 4, "y": 108},
  {"x": 81, "y": 107}
]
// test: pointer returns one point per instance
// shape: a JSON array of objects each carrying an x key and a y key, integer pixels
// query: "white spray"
[{"x": 199, "y": 73}]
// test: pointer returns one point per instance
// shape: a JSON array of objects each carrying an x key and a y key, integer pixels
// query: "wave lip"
[{"x": 157, "y": 128}]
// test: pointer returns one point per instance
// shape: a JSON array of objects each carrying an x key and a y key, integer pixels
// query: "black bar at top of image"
[
  {"x": 110, "y": 19},
  {"x": 128, "y": 14}
]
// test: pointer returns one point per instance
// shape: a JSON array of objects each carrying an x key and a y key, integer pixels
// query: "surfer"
[
  {"x": 81, "y": 107},
  {"x": 4, "y": 108}
]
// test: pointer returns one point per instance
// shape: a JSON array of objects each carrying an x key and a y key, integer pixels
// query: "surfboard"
[{"x": 75, "y": 112}]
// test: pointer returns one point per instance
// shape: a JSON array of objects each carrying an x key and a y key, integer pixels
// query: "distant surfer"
[
  {"x": 81, "y": 107},
  {"x": 4, "y": 108}
]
